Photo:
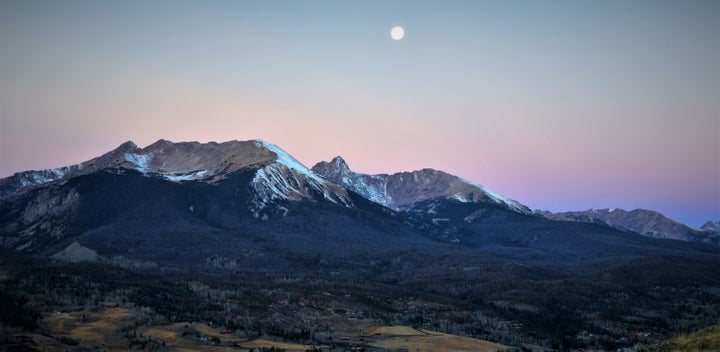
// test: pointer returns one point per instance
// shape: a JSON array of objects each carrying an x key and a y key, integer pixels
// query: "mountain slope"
[
  {"x": 124, "y": 215},
  {"x": 645, "y": 222}
]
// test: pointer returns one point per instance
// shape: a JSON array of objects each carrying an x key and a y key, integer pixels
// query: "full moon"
[{"x": 397, "y": 33}]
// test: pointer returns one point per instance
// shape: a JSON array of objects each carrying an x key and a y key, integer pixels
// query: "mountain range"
[
  {"x": 250, "y": 207},
  {"x": 402, "y": 190},
  {"x": 280, "y": 176}
]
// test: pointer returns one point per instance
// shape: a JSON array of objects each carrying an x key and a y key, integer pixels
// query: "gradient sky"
[{"x": 561, "y": 105}]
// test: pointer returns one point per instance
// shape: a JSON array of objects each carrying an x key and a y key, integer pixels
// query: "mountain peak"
[
  {"x": 284, "y": 158},
  {"x": 127, "y": 146},
  {"x": 334, "y": 170},
  {"x": 340, "y": 163},
  {"x": 160, "y": 143},
  {"x": 288, "y": 179},
  {"x": 403, "y": 189}
]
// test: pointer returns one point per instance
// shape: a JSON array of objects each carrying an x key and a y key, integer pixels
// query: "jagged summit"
[
  {"x": 337, "y": 167},
  {"x": 340, "y": 163},
  {"x": 127, "y": 146}
]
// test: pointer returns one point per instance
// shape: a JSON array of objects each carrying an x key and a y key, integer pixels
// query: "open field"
[
  {"x": 117, "y": 329},
  {"x": 703, "y": 340},
  {"x": 90, "y": 329},
  {"x": 404, "y": 337},
  {"x": 201, "y": 337},
  {"x": 54, "y": 306}
]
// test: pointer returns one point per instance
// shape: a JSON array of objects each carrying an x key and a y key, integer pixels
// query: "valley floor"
[
  {"x": 48, "y": 305},
  {"x": 113, "y": 328}
]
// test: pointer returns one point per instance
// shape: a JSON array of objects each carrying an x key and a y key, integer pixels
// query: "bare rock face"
[
  {"x": 401, "y": 190},
  {"x": 43, "y": 218},
  {"x": 50, "y": 203},
  {"x": 196, "y": 161}
]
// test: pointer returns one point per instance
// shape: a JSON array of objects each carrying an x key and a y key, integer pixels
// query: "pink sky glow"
[{"x": 562, "y": 106}]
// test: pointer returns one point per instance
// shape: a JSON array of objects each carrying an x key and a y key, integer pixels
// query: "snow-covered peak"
[
  {"x": 284, "y": 158},
  {"x": 287, "y": 179}
]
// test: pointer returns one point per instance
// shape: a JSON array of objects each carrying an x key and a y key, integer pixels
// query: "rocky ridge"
[
  {"x": 645, "y": 222},
  {"x": 403, "y": 189}
]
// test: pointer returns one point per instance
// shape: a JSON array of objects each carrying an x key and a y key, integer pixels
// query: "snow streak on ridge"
[{"x": 288, "y": 179}]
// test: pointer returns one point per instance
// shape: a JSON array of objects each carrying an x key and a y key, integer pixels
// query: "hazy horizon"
[{"x": 560, "y": 105}]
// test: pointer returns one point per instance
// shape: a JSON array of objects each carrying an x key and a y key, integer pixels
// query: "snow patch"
[
  {"x": 33, "y": 178},
  {"x": 272, "y": 184},
  {"x": 288, "y": 179},
  {"x": 459, "y": 197},
  {"x": 140, "y": 160},
  {"x": 187, "y": 177},
  {"x": 376, "y": 194},
  {"x": 500, "y": 199},
  {"x": 59, "y": 173},
  {"x": 38, "y": 179},
  {"x": 287, "y": 160},
  {"x": 372, "y": 187}
]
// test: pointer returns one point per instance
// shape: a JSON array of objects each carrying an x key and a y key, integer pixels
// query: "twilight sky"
[{"x": 561, "y": 105}]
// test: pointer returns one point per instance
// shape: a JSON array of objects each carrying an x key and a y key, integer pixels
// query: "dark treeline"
[{"x": 613, "y": 309}]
